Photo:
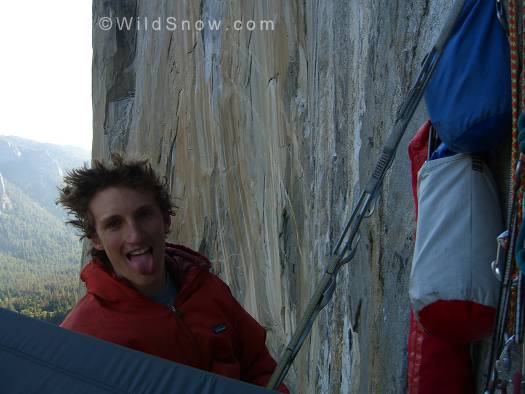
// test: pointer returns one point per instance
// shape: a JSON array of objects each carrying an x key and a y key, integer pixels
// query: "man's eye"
[{"x": 113, "y": 224}]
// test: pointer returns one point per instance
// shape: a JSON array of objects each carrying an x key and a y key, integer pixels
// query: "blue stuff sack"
[{"x": 469, "y": 96}]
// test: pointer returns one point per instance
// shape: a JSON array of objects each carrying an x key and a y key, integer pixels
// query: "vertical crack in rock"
[{"x": 119, "y": 72}]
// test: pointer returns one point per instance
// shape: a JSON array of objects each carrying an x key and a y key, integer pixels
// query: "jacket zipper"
[
  {"x": 175, "y": 311},
  {"x": 178, "y": 315}
]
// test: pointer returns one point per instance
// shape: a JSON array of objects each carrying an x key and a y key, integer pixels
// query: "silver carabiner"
[
  {"x": 503, "y": 363},
  {"x": 372, "y": 208},
  {"x": 352, "y": 250},
  {"x": 498, "y": 265}
]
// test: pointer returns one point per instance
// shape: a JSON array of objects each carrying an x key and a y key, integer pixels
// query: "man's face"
[{"x": 131, "y": 229}]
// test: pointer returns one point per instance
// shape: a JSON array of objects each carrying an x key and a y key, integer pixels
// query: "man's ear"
[{"x": 95, "y": 241}]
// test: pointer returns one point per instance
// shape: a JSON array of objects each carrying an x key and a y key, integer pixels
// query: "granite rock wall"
[{"x": 267, "y": 137}]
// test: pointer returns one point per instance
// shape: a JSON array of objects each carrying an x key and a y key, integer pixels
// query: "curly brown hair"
[{"x": 81, "y": 185}]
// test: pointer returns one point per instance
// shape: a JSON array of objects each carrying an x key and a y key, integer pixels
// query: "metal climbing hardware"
[
  {"x": 493, "y": 380},
  {"x": 509, "y": 268},
  {"x": 498, "y": 265}
]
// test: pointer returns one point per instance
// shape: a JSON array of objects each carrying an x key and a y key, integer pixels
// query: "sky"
[{"x": 45, "y": 71}]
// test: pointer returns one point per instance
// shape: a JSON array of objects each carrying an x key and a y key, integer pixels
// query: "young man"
[{"x": 149, "y": 295}]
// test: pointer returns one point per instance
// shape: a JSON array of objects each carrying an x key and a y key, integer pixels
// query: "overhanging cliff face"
[{"x": 267, "y": 138}]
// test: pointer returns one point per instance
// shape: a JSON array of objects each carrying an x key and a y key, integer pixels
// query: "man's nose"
[{"x": 134, "y": 232}]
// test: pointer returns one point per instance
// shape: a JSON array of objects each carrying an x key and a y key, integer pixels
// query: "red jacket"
[{"x": 206, "y": 328}]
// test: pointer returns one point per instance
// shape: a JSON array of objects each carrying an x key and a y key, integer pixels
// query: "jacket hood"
[{"x": 186, "y": 266}]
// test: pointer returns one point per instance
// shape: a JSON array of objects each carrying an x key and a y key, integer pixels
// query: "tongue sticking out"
[{"x": 142, "y": 263}]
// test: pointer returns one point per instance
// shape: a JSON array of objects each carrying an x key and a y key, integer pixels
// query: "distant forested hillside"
[
  {"x": 43, "y": 292},
  {"x": 39, "y": 254},
  {"x": 37, "y": 169},
  {"x": 30, "y": 232}
]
